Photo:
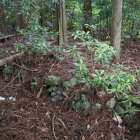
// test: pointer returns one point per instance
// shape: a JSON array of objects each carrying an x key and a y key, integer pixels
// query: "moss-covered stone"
[
  {"x": 52, "y": 80},
  {"x": 111, "y": 103},
  {"x": 58, "y": 96},
  {"x": 119, "y": 109},
  {"x": 70, "y": 84}
]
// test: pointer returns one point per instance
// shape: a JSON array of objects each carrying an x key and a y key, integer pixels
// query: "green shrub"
[{"x": 113, "y": 78}]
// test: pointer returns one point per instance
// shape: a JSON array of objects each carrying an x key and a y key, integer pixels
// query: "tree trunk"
[
  {"x": 87, "y": 14},
  {"x": 116, "y": 26},
  {"x": 2, "y": 18},
  {"x": 20, "y": 19},
  {"x": 62, "y": 23}
]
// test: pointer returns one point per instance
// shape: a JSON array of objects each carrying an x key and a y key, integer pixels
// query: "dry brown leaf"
[
  {"x": 43, "y": 129},
  {"x": 101, "y": 94},
  {"x": 83, "y": 138},
  {"x": 96, "y": 122},
  {"x": 118, "y": 119}
]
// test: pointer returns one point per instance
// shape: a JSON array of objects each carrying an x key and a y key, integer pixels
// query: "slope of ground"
[{"x": 24, "y": 117}]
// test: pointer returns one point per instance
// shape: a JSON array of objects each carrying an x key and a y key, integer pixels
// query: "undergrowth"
[{"x": 113, "y": 78}]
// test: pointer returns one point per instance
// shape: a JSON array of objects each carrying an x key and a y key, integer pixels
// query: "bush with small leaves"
[{"x": 113, "y": 78}]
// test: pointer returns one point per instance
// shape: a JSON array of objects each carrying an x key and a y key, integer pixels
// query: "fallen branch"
[
  {"x": 53, "y": 127},
  {"x": 7, "y": 37},
  {"x": 53, "y": 42},
  {"x": 62, "y": 123},
  {"x": 77, "y": 43},
  {"x": 39, "y": 93},
  {"x": 10, "y": 58},
  {"x": 10, "y": 81}
]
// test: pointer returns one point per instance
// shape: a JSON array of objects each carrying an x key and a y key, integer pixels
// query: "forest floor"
[{"x": 24, "y": 117}]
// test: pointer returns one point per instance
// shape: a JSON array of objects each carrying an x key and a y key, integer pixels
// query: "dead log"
[
  {"x": 10, "y": 58},
  {"x": 4, "y": 38},
  {"x": 53, "y": 42},
  {"x": 18, "y": 55}
]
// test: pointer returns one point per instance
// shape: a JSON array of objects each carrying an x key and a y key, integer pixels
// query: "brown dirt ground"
[{"x": 29, "y": 118}]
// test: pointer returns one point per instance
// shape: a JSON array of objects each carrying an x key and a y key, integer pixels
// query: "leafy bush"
[
  {"x": 117, "y": 79},
  {"x": 34, "y": 39},
  {"x": 80, "y": 102},
  {"x": 113, "y": 78}
]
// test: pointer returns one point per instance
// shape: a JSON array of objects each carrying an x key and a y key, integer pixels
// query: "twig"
[
  {"x": 29, "y": 93},
  {"x": 51, "y": 43},
  {"x": 18, "y": 116},
  {"x": 53, "y": 127},
  {"x": 23, "y": 67},
  {"x": 39, "y": 93},
  {"x": 62, "y": 123},
  {"x": 59, "y": 62},
  {"x": 11, "y": 81},
  {"x": 7, "y": 37},
  {"x": 52, "y": 66},
  {"x": 128, "y": 61}
]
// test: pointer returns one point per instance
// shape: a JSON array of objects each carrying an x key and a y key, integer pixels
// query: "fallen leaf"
[
  {"x": 48, "y": 114},
  {"x": 96, "y": 122},
  {"x": 101, "y": 94},
  {"x": 83, "y": 138},
  {"x": 43, "y": 129},
  {"x": 117, "y": 118},
  {"x": 66, "y": 137},
  {"x": 112, "y": 136}
]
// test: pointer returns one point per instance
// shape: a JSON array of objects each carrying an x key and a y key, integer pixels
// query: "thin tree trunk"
[
  {"x": 87, "y": 14},
  {"x": 2, "y": 18},
  {"x": 116, "y": 26},
  {"x": 62, "y": 23},
  {"x": 20, "y": 19}
]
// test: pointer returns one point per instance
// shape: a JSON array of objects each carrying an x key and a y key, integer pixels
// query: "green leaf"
[
  {"x": 139, "y": 89},
  {"x": 138, "y": 72},
  {"x": 98, "y": 106}
]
